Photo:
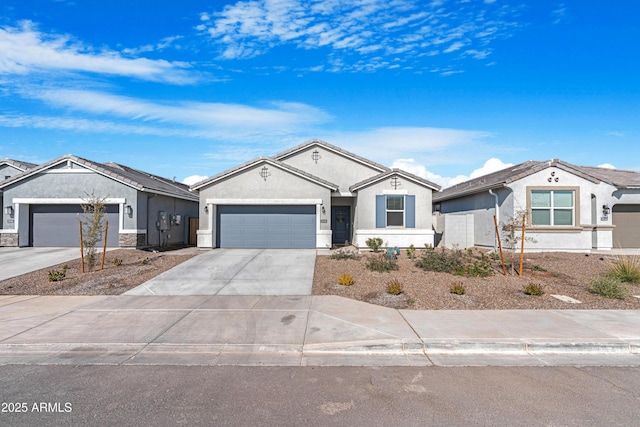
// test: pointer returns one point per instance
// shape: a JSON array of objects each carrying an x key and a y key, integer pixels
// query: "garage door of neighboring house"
[
  {"x": 626, "y": 233},
  {"x": 266, "y": 227},
  {"x": 57, "y": 225}
]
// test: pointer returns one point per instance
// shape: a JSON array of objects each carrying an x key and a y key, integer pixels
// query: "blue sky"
[{"x": 445, "y": 89}]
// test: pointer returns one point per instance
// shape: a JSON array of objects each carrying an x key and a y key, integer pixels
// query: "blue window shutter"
[
  {"x": 410, "y": 211},
  {"x": 381, "y": 211}
]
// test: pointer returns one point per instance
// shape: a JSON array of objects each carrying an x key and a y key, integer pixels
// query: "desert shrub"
[
  {"x": 608, "y": 287},
  {"x": 457, "y": 288},
  {"x": 374, "y": 243},
  {"x": 455, "y": 262},
  {"x": 345, "y": 253},
  {"x": 56, "y": 275},
  {"x": 626, "y": 269},
  {"x": 535, "y": 289},
  {"x": 494, "y": 256},
  {"x": 411, "y": 251},
  {"x": 478, "y": 268},
  {"x": 536, "y": 267},
  {"x": 394, "y": 287},
  {"x": 116, "y": 261},
  {"x": 145, "y": 261},
  {"x": 392, "y": 253},
  {"x": 345, "y": 279},
  {"x": 382, "y": 264},
  {"x": 428, "y": 247},
  {"x": 441, "y": 261}
]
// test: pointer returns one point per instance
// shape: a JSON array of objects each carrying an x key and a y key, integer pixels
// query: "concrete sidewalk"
[{"x": 303, "y": 331}]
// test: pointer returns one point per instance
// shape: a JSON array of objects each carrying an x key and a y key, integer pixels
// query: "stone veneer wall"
[
  {"x": 8, "y": 239},
  {"x": 130, "y": 240}
]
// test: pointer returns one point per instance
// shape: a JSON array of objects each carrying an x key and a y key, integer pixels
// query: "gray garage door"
[
  {"x": 626, "y": 218},
  {"x": 266, "y": 227},
  {"x": 57, "y": 225}
]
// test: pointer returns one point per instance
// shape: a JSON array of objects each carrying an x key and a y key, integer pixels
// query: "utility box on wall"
[{"x": 163, "y": 221}]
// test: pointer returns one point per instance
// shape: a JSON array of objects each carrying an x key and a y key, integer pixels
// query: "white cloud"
[
  {"x": 410, "y": 165},
  {"x": 25, "y": 50},
  {"x": 204, "y": 115},
  {"x": 193, "y": 179},
  {"x": 607, "y": 166},
  {"x": 358, "y": 30}
]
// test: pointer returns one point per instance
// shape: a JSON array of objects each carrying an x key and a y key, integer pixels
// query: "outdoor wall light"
[
  {"x": 8, "y": 210},
  {"x": 129, "y": 210},
  {"x": 206, "y": 208},
  {"x": 605, "y": 210},
  {"x": 324, "y": 211}
]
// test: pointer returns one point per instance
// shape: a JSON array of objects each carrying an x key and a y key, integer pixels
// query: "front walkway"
[
  {"x": 303, "y": 331},
  {"x": 237, "y": 272}
]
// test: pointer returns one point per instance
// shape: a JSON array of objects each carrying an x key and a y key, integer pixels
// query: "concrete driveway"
[
  {"x": 17, "y": 261},
  {"x": 237, "y": 272}
]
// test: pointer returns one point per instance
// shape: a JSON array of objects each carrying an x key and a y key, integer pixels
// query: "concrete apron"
[
  {"x": 304, "y": 331},
  {"x": 237, "y": 272}
]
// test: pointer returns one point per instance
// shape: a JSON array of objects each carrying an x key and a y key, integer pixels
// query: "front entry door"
[{"x": 341, "y": 218}]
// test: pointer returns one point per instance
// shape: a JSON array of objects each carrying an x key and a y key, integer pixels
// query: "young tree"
[
  {"x": 92, "y": 221},
  {"x": 512, "y": 233}
]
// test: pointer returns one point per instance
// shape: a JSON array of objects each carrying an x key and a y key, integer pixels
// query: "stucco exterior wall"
[
  {"x": 365, "y": 216},
  {"x": 251, "y": 188},
  {"x": 332, "y": 167},
  {"x": 76, "y": 184},
  {"x": 178, "y": 230}
]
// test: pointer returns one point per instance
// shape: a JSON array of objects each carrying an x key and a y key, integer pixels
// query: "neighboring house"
[
  {"x": 9, "y": 168},
  {"x": 42, "y": 206},
  {"x": 568, "y": 207},
  {"x": 314, "y": 195}
]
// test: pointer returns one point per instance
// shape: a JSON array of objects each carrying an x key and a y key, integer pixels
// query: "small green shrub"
[
  {"x": 457, "y": 288},
  {"x": 345, "y": 279},
  {"x": 494, "y": 256},
  {"x": 411, "y": 251},
  {"x": 536, "y": 267},
  {"x": 145, "y": 261},
  {"x": 116, "y": 261},
  {"x": 608, "y": 287},
  {"x": 535, "y": 289},
  {"x": 56, "y": 275},
  {"x": 441, "y": 261},
  {"x": 428, "y": 247},
  {"x": 626, "y": 269},
  {"x": 374, "y": 243},
  {"x": 394, "y": 287},
  {"x": 382, "y": 264},
  {"x": 478, "y": 268},
  {"x": 344, "y": 253}
]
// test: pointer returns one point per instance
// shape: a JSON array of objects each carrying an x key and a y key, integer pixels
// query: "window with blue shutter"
[{"x": 395, "y": 211}]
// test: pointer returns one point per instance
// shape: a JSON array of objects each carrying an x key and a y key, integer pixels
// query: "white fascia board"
[
  {"x": 63, "y": 201},
  {"x": 263, "y": 201}
]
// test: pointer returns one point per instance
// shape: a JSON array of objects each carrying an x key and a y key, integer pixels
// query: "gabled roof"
[
  {"x": 260, "y": 160},
  {"x": 318, "y": 143},
  {"x": 141, "y": 181},
  {"x": 616, "y": 177},
  {"x": 508, "y": 175},
  {"x": 397, "y": 172},
  {"x": 22, "y": 166}
]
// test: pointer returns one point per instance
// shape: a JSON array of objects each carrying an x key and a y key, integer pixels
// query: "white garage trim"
[{"x": 209, "y": 237}]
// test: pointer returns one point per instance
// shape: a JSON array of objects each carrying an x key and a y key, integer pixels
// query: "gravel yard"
[
  {"x": 566, "y": 274},
  {"x": 136, "y": 267},
  {"x": 558, "y": 273}
]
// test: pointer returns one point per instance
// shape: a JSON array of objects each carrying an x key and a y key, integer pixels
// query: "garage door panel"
[
  {"x": 626, "y": 219},
  {"x": 266, "y": 227},
  {"x": 57, "y": 225}
]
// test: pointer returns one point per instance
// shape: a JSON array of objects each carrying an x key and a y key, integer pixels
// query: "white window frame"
[{"x": 387, "y": 211}]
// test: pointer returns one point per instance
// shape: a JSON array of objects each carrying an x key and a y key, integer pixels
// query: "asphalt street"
[{"x": 318, "y": 396}]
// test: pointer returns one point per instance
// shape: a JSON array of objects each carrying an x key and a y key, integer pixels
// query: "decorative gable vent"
[
  {"x": 395, "y": 182},
  {"x": 264, "y": 173},
  {"x": 316, "y": 156}
]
